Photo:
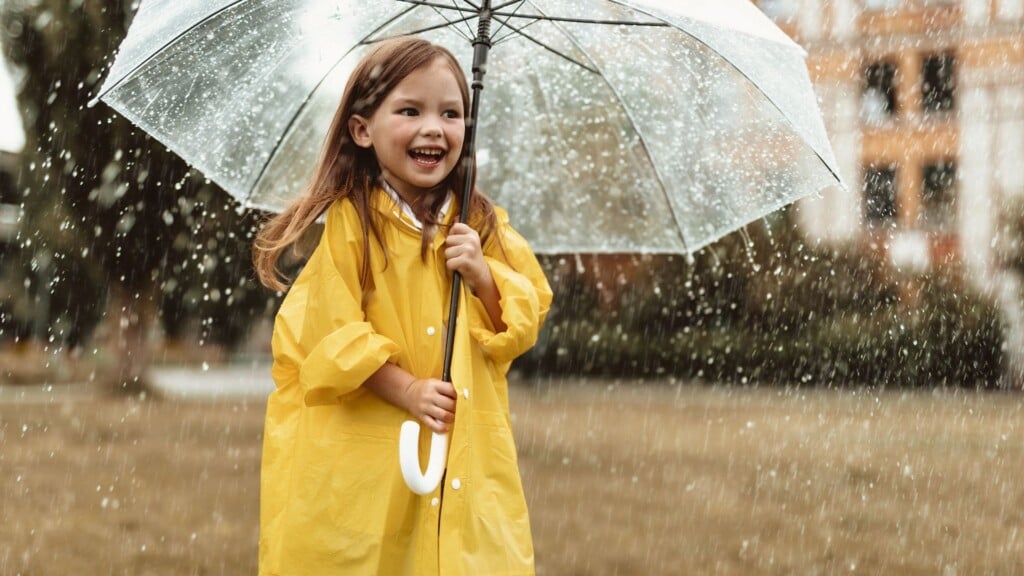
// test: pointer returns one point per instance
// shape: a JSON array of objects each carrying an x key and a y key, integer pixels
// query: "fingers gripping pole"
[{"x": 409, "y": 458}]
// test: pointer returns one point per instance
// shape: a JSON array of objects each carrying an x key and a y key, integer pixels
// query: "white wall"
[
  {"x": 844, "y": 18},
  {"x": 1010, "y": 10},
  {"x": 809, "y": 19},
  {"x": 975, "y": 11},
  {"x": 836, "y": 215},
  {"x": 976, "y": 204},
  {"x": 1009, "y": 138}
]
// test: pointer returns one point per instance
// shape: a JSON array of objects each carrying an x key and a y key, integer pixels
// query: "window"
[
  {"x": 7, "y": 191},
  {"x": 878, "y": 101},
  {"x": 938, "y": 195},
  {"x": 938, "y": 83},
  {"x": 880, "y": 194},
  {"x": 10, "y": 214}
]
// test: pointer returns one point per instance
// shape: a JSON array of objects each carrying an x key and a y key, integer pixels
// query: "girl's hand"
[
  {"x": 432, "y": 402},
  {"x": 463, "y": 254}
]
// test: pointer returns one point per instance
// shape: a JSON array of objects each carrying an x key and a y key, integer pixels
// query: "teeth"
[{"x": 428, "y": 151}]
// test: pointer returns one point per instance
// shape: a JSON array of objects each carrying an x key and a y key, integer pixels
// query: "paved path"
[
  {"x": 243, "y": 379},
  {"x": 235, "y": 380},
  {"x": 46, "y": 393}
]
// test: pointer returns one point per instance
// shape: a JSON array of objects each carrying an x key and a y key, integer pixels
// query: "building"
[{"x": 924, "y": 103}]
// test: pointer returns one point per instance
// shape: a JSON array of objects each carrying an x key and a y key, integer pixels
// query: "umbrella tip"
[{"x": 92, "y": 102}]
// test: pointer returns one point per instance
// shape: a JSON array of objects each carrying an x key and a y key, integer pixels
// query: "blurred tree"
[
  {"x": 117, "y": 232},
  {"x": 764, "y": 306},
  {"x": 1011, "y": 291}
]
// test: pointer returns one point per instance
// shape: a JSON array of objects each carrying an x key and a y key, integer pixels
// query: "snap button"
[
  {"x": 431, "y": 330},
  {"x": 456, "y": 484},
  {"x": 434, "y": 501},
  {"x": 465, "y": 393}
]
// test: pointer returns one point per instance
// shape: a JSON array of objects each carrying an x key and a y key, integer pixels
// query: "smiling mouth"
[{"x": 427, "y": 156}]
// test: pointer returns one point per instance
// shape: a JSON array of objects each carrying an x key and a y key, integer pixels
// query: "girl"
[{"x": 358, "y": 342}]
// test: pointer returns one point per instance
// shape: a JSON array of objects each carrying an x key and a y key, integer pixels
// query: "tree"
[
  {"x": 126, "y": 226},
  {"x": 1010, "y": 291}
]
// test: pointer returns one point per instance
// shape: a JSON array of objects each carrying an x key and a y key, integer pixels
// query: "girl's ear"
[{"x": 359, "y": 129}]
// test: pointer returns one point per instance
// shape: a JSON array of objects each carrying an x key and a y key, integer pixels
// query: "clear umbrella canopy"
[{"x": 658, "y": 136}]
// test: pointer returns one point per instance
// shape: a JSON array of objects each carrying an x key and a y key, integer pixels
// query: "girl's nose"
[{"x": 431, "y": 127}]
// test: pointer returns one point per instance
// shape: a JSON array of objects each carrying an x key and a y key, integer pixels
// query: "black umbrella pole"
[{"x": 481, "y": 46}]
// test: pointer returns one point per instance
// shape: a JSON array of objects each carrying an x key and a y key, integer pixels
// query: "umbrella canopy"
[{"x": 607, "y": 126}]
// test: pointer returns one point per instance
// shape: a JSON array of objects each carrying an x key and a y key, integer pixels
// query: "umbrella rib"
[
  {"x": 452, "y": 24},
  {"x": 473, "y": 10},
  {"x": 583, "y": 20},
  {"x": 161, "y": 49},
  {"x": 741, "y": 73},
  {"x": 447, "y": 24},
  {"x": 503, "y": 23},
  {"x": 469, "y": 29},
  {"x": 305, "y": 102},
  {"x": 636, "y": 128},
  {"x": 512, "y": 30},
  {"x": 520, "y": 32}
]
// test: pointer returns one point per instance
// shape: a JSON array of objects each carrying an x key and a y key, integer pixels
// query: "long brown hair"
[{"x": 345, "y": 170}]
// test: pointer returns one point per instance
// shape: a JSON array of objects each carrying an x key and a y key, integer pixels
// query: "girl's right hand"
[{"x": 432, "y": 402}]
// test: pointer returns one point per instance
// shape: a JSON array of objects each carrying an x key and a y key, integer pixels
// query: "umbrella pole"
[
  {"x": 481, "y": 47},
  {"x": 408, "y": 453}
]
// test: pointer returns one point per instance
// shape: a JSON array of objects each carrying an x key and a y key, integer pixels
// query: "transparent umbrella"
[
  {"x": 609, "y": 126},
  {"x": 682, "y": 123}
]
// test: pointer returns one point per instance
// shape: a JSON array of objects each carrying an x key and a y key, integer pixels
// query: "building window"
[
  {"x": 938, "y": 83},
  {"x": 938, "y": 195},
  {"x": 880, "y": 194},
  {"x": 7, "y": 191},
  {"x": 878, "y": 100}
]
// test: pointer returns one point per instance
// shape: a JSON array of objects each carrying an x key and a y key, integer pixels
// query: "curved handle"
[{"x": 409, "y": 458}]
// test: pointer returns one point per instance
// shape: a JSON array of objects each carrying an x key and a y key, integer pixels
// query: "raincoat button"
[
  {"x": 465, "y": 393},
  {"x": 434, "y": 501},
  {"x": 456, "y": 484},
  {"x": 430, "y": 330}
]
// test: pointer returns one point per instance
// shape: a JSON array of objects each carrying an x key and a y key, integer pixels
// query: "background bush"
[{"x": 767, "y": 308}]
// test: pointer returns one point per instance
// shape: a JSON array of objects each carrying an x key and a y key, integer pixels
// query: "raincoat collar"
[{"x": 404, "y": 212}]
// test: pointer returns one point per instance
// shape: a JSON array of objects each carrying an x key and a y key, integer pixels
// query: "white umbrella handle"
[{"x": 409, "y": 458}]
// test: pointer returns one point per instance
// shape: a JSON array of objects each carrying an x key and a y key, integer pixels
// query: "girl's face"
[{"x": 417, "y": 131}]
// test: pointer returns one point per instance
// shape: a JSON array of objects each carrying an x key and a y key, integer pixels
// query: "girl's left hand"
[{"x": 464, "y": 254}]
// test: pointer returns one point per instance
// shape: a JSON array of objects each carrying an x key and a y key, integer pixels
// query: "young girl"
[{"x": 358, "y": 342}]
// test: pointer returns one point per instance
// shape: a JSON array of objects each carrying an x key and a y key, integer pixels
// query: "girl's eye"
[
  {"x": 451, "y": 114},
  {"x": 408, "y": 112}
]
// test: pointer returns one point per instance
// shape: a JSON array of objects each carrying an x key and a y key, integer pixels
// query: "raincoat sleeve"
[
  {"x": 525, "y": 296},
  {"x": 338, "y": 348}
]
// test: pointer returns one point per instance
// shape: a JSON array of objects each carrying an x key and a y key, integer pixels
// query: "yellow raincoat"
[{"x": 333, "y": 500}]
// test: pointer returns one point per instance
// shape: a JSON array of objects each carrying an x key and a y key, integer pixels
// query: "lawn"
[{"x": 621, "y": 477}]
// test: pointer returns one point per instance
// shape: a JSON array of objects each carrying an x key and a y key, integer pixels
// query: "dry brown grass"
[
  {"x": 621, "y": 478},
  {"x": 727, "y": 481}
]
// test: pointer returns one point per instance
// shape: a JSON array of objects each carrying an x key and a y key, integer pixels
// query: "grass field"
[{"x": 622, "y": 478}]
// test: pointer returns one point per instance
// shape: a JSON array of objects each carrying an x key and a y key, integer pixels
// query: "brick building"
[{"x": 924, "y": 102}]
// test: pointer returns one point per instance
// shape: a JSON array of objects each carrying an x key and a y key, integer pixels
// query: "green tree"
[{"x": 117, "y": 232}]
